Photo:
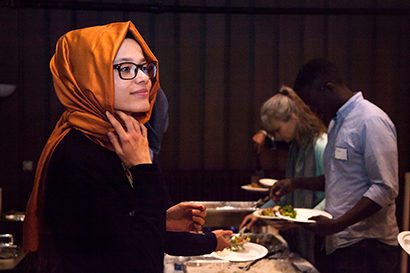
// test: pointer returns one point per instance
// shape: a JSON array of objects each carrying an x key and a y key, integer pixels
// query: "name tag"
[{"x": 341, "y": 153}]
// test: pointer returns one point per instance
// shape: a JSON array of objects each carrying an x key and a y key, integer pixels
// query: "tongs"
[{"x": 242, "y": 230}]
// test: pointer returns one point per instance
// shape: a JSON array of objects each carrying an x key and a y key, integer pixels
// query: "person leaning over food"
[
  {"x": 360, "y": 175},
  {"x": 286, "y": 117},
  {"x": 98, "y": 203}
]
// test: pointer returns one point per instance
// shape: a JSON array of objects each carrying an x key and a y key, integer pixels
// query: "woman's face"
[
  {"x": 131, "y": 96},
  {"x": 284, "y": 130}
]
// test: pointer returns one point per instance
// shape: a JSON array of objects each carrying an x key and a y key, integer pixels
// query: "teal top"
[{"x": 305, "y": 162}]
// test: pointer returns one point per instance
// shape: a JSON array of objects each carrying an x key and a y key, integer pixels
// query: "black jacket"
[{"x": 96, "y": 221}]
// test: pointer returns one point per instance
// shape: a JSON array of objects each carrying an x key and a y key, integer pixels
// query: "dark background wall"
[{"x": 219, "y": 60}]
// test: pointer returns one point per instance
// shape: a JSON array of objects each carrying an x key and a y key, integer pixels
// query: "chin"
[{"x": 134, "y": 110}]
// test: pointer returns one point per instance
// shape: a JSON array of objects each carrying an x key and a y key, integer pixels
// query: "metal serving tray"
[{"x": 227, "y": 213}]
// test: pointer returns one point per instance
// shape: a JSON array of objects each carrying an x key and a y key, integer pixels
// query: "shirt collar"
[{"x": 348, "y": 106}]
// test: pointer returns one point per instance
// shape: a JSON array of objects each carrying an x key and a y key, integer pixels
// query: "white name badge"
[{"x": 341, "y": 153}]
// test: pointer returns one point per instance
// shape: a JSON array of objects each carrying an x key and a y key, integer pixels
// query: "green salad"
[
  {"x": 237, "y": 242},
  {"x": 288, "y": 210}
]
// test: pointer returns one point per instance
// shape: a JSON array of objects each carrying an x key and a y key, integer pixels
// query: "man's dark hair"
[{"x": 314, "y": 75}]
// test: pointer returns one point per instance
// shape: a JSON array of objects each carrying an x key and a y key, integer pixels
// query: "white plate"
[
  {"x": 302, "y": 215},
  {"x": 404, "y": 240},
  {"x": 251, "y": 252},
  {"x": 268, "y": 182},
  {"x": 250, "y": 188},
  {"x": 257, "y": 214}
]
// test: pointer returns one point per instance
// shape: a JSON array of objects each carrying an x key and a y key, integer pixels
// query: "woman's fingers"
[
  {"x": 130, "y": 143},
  {"x": 115, "y": 123},
  {"x": 115, "y": 143},
  {"x": 129, "y": 122},
  {"x": 132, "y": 125},
  {"x": 198, "y": 220}
]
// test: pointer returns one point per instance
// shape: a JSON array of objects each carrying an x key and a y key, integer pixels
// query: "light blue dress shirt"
[{"x": 360, "y": 160}]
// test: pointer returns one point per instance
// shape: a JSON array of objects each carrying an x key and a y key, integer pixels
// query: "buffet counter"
[
  {"x": 229, "y": 215},
  {"x": 278, "y": 260}
]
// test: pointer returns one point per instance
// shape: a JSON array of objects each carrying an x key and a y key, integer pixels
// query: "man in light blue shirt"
[{"x": 360, "y": 175}]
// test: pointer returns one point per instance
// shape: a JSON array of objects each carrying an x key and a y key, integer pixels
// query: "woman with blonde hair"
[{"x": 286, "y": 117}]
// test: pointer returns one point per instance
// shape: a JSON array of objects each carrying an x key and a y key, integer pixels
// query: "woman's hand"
[
  {"x": 131, "y": 145},
  {"x": 186, "y": 216},
  {"x": 222, "y": 238},
  {"x": 248, "y": 221}
]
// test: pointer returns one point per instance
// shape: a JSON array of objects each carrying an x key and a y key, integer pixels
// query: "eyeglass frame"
[{"x": 138, "y": 67}]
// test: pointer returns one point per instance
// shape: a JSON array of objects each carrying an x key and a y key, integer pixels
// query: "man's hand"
[
  {"x": 280, "y": 188},
  {"x": 323, "y": 225},
  {"x": 283, "y": 225},
  {"x": 222, "y": 238},
  {"x": 186, "y": 216}
]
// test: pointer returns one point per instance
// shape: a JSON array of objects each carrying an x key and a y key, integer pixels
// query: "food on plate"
[
  {"x": 288, "y": 210},
  {"x": 269, "y": 211},
  {"x": 254, "y": 185},
  {"x": 238, "y": 241}
]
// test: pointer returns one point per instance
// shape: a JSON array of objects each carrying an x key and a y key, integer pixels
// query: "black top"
[{"x": 96, "y": 221}]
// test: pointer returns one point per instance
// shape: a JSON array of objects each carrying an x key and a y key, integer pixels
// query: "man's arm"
[
  {"x": 363, "y": 209},
  {"x": 285, "y": 186}
]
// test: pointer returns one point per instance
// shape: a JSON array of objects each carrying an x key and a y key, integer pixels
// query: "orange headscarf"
[{"x": 82, "y": 69}]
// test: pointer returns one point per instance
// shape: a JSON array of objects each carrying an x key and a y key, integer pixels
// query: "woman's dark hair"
[{"x": 130, "y": 36}]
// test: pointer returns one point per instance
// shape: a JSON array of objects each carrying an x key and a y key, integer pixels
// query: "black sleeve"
[
  {"x": 94, "y": 214},
  {"x": 189, "y": 244}
]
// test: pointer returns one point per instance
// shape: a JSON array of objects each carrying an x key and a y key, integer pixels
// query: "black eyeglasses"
[{"x": 129, "y": 71}]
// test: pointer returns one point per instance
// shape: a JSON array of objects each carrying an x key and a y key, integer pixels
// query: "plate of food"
[
  {"x": 267, "y": 213},
  {"x": 267, "y": 182},
  {"x": 300, "y": 215},
  {"x": 404, "y": 240},
  {"x": 241, "y": 250},
  {"x": 254, "y": 187}
]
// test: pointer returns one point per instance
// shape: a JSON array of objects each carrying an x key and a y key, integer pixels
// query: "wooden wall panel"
[
  {"x": 240, "y": 92},
  {"x": 362, "y": 54},
  {"x": 191, "y": 99},
  {"x": 386, "y": 45},
  {"x": 266, "y": 63},
  {"x": 403, "y": 90},
  {"x": 10, "y": 170},
  {"x": 290, "y": 56},
  {"x": 214, "y": 123},
  {"x": 339, "y": 49},
  {"x": 314, "y": 37},
  {"x": 34, "y": 99}
]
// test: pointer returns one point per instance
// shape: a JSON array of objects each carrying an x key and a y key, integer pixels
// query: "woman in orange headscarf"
[{"x": 98, "y": 203}]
